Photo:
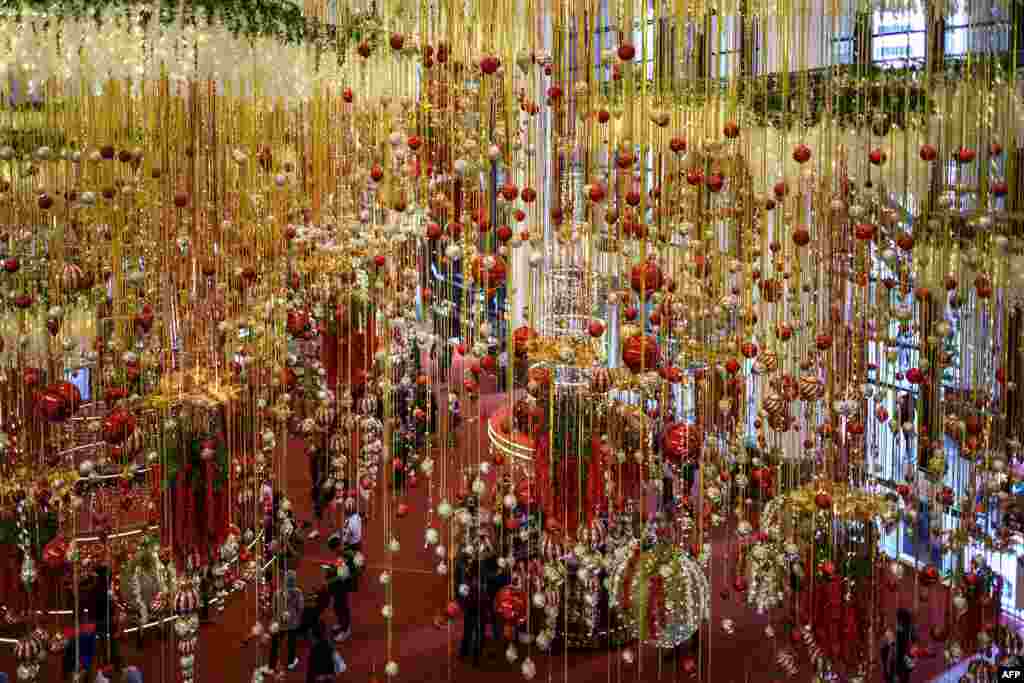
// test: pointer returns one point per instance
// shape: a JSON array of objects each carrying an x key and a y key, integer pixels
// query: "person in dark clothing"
[
  {"x": 271, "y": 521},
  {"x": 897, "y": 662},
  {"x": 323, "y": 494},
  {"x": 468, "y": 576},
  {"x": 318, "y": 477},
  {"x": 667, "y": 488},
  {"x": 689, "y": 477},
  {"x": 102, "y": 608},
  {"x": 313, "y": 609},
  {"x": 205, "y": 594},
  {"x": 80, "y": 649},
  {"x": 339, "y": 591},
  {"x": 294, "y": 607},
  {"x": 494, "y": 580},
  {"x": 321, "y": 657}
]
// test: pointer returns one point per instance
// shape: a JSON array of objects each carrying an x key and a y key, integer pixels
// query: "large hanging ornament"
[
  {"x": 682, "y": 443},
  {"x": 641, "y": 353},
  {"x": 662, "y": 594}
]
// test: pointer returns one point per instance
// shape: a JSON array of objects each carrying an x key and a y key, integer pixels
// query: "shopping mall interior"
[{"x": 567, "y": 340}]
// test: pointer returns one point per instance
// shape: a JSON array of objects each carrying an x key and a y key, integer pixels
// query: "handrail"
[{"x": 142, "y": 627}]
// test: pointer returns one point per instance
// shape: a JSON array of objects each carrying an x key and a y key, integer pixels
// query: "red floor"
[{"x": 426, "y": 653}]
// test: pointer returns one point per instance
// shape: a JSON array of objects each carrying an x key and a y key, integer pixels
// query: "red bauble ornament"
[
  {"x": 490, "y": 64},
  {"x": 511, "y": 604},
  {"x": 877, "y": 157},
  {"x": 930, "y": 575},
  {"x": 495, "y": 277},
  {"x": 70, "y": 393},
  {"x": 627, "y": 52},
  {"x": 298, "y": 322},
  {"x": 595, "y": 328},
  {"x": 823, "y": 501},
  {"x": 118, "y": 426},
  {"x": 801, "y": 237},
  {"x": 964, "y": 155},
  {"x": 677, "y": 145},
  {"x": 641, "y": 352},
  {"x": 55, "y": 553},
  {"x": 646, "y": 277},
  {"x": 716, "y": 181},
  {"x": 52, "y": 406},
  {"x": 681, "y": 442},
  {"x": 864, "y": 231},
  {"x": 521, "y": 338}
]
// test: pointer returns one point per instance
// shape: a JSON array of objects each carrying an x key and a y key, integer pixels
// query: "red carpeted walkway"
[{"x": 427, "y": 653}]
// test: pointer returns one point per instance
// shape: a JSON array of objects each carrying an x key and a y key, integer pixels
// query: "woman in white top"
[
  {"x": 350, "y": 539},
  {"x": 352, "y": 532}
]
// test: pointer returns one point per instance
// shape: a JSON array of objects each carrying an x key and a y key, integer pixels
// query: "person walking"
[
  {"x": 897, "y": 657},
  {"x": 322, "y": 492},
  {"x": 494, "y": 580},
  {"x": 132, "y": 675},
  {"x": 102, "y": 611},
  {"x": 668, "y": 480},
  {"x": 470, "y": 598},
  {"x": 79, "y": 648},
  {"x": 321, "y": 666},
  {"x": 291, "y": 616},
  {"x": 345, "y": 544}
]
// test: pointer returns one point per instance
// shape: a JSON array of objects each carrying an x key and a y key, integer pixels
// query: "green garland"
[
  {"x": 280, "y": 20},
  {"x": 843, "y": 93},
  {"x": 175, "y": 457},
  {"x": 44, "y": 531}
]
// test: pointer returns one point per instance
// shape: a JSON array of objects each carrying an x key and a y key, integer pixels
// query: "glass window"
[
  {"x": 726, "y": 45},
  {"x": 843, "y": 40},
  {"x": 1005, "y": 566},
  {"x": 978, "y": 30},
  {"x": 817, "y": 39},
  {"x": 898, "y": 38}
]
